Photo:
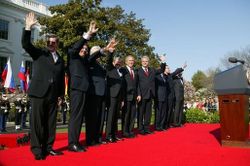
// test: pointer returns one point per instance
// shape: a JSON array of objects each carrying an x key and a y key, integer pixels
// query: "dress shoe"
[
  {"x": 159, "y": 129},
  {"x": 117, "y": 139},
  {"x": 54, "y": 153},
  {"x": 76, "y": 148},
  {"x": 110, "y": 140},
  {"x": 142, "y": 132},
  {"x": 126, "y": 135},
  {"x": 175, "y": 125},
  {"x": 101, "y": 142},
  {"x": 131, "y": 135},
  {"x": 39, "y": 157},
  {"x": 93, "y": 143},
  {"x": 148, "y": 132}
]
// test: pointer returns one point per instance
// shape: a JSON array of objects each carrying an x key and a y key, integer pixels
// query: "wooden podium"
[{"x": 233, "y": 91}]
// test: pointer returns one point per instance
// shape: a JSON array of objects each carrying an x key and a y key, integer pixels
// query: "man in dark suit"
[
  {"x": 146, "y": 79},
  {"x": 170, "y": 92},
  {"x": 115, "y": 87},
  {"x": 132, "y": 96},
  {"x": 179, "y": 100},
  {"x": 161, "y": 101},
  {"x": 46, "y": 86},
  {"x": 79, "y": 60},
  {"x": 96, "y": 95}
]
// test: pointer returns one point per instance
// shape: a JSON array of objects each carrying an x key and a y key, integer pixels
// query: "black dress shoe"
[
  {"x": 148, "y": 132},
  {"x": 159, "y": 129},
  {"x": 93, "y": 143},
  {"x": 142, "y": 132},
  {"x": 39, "y": 157},
  {"x": 126, "y": 135},
  {"x": 117, "y": 139},
  {"x": 110, "y": 140},
  {"x": 131, "y": 135},
  {"x": 54, "y": 153},
  {"x": 76, "y": 148}
]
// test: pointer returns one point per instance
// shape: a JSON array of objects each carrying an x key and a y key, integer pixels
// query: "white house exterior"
[{"x": 12, "y": 17}]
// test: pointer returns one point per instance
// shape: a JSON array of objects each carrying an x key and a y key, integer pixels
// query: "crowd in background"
[{"x": 209, "y": 104}]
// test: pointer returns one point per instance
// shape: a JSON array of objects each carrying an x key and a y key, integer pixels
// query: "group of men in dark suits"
[{"x": 94, "y": 90}]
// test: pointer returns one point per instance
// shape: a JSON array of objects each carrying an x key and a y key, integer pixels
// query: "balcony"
[{"x": 31, "y": 5}]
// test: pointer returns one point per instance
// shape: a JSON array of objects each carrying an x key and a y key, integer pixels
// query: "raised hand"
[
  {"x": 30, "y": 20},
  {"x": 92, "y": 28},
  {"x": 111, "y": 46},
  {"x": 184, "y": 65},
  {"x": 138, "y": 98},
  {"x": 162, "y": 58}
]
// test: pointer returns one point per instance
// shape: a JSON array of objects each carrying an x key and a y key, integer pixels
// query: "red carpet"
[{"x": 194, "y": 144}]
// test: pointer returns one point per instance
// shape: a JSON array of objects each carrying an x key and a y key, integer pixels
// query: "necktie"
[
  {"x": 131, "y": 73},
  {"x": 54, "y": 57},
  {"x": 146, "y": 72}
]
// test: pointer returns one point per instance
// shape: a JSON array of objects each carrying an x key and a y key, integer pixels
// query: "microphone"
[{"x": 235, "y": 60}]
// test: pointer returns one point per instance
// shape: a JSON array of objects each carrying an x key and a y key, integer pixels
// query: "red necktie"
[
  {"x": 131, "y": 74},
  {"x": 146, "y": 72}
]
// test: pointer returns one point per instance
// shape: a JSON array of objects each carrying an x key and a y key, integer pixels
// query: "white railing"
[{"x": 32, "y": 5}]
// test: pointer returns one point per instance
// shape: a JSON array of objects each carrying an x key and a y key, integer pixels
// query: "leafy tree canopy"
[
  {"x": 199, "y": 79},
  {"x": 69, "y": 21}
]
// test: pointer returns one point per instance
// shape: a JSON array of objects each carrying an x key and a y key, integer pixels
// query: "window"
[
  {"x": 4, "y": 26},
  {"x": 28, "y": 66}
]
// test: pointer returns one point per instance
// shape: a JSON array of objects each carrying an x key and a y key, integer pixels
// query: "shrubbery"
[{"x": 195, "y": 115}]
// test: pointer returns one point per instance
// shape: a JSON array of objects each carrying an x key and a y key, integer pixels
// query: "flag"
[
  {"x": 22, "y": 77},
  {"x": 9, "y": 80},
  {"x": 4, "y": 74}
]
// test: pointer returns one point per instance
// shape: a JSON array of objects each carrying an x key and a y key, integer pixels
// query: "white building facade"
[{"x": 12, "y": 20}]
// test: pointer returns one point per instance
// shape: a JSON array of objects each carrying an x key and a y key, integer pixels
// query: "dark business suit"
[
  {"x": 115, "y": 87},
  {"x": 95, "y": 101},
  {"x": 161, "y": 100},
  {"x": 147, "y": 88},
  {"x": 179, "y": 100},
  {"x": 46, "y": 86},
  {"x": 171, "y": 96},
  {"x": 78, "y": 84},
  {"x": 131, "y": 93}
]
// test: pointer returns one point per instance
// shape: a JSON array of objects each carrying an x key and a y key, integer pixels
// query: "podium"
[{"x": 233, "y": 91}]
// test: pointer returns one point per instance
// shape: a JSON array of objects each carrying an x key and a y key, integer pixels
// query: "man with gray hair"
[{"x": 146, "y": 81}]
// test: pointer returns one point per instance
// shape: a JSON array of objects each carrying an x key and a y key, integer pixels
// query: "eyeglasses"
[
  {"x": 85, "y": 49},
  {"x": 52, "y": 42}
]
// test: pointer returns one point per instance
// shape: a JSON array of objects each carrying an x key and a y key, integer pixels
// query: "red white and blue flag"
[
  {"x": 22, "y": 77},
  {"x": 7, "y": 77}
]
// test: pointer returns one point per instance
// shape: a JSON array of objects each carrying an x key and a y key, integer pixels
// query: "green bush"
[{"x": 195, "y": 115}]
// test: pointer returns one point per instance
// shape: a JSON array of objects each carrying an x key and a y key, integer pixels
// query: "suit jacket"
[
  {"x": 97, "y": 74},
  {"x": 115, "y": 82},
  {"x": 178, "y": 88},
  {"x": 161, "y": 87},
  {"x": 131, "y": 85},
  {"x": 146, "y": 83},
  {"x": 45, "y": 72},
  {"x": 170, "y": 86},
  {"x": 78, "y": 67}
]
